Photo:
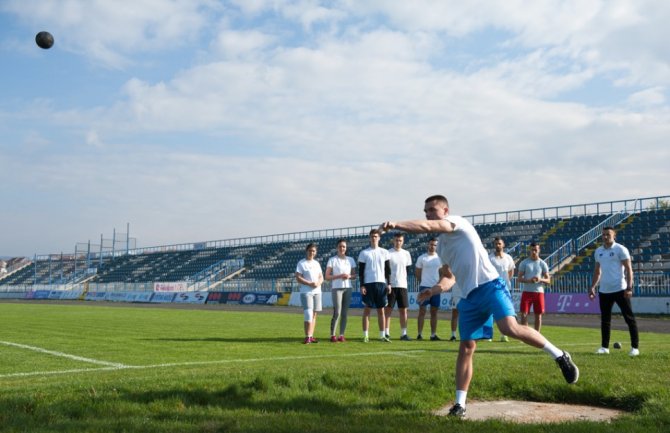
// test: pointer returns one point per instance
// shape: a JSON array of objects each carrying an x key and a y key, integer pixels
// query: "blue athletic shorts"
[
  {"x": 433, "y": 301},
  {"x": 375, "y": 295},
  {"x": 476, "y": 313}
]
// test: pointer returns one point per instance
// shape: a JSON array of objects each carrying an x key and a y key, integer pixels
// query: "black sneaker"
[
  {"x": 457, "y": 411},
  {"x": 568, "y": 368},
  {"x": 435, "y": 338},
  {"x": 453, "y": 338},
  {"x": 387, "y": 336},
  {"x": 405, "y": 338},
  {"x": 419, "y": 337}
]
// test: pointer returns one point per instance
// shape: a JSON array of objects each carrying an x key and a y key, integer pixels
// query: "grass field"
[{"x": 84, "y": 368}]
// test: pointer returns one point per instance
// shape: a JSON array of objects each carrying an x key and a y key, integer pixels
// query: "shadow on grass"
[
  {"x": 229, "y": 340},
  {"x": 251, "y": 396}
]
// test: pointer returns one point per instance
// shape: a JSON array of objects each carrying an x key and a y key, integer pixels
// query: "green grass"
[{"x": 224, "y": 371}]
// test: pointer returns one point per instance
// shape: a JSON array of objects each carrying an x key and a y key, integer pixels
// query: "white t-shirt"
[
  {"x": 399, "y": 260},
  {"x": 456, "y": 295},
  {"x": 503, "y": 265},
  {"x": 374, "y": 260},
  {"x": 463, "y": 251},
  {"x": 533, "y": 268},
  {"x": 310, "y": 270},
  {"x": 612, "y": 276},
  {"x": 341, "y": 266},
  {"x": 430, "y": 265}
]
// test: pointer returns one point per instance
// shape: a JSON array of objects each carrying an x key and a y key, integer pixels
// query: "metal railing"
[
  {"x": 574, "y": 246},
  {"x": 608, "y": 207}
]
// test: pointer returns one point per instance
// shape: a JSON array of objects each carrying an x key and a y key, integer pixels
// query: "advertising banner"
[
  {"x": 574, "y": 303},
  {"x": 190, "y": 298},
  {"x": 139, "y": 296},
  {"x": 117, "y": 296},
  {"x": 180, "y": 286},
  {"x": 96, "y": 296},
  {"x": 249, "y": 298},
  {"x": 161, "y": 297},
  {"x": 71, "y": 294},
  {"x": 38, "y": 294}
]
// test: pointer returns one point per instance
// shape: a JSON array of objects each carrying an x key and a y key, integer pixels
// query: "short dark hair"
[
  {"x": 432, "y": 239},
  {"x": 375, "y": 232},
  {"x": 439, "y": 198},
  {"x": 398, "y": 235},
  {"x": 609, "y": 228},
  {"x": 534, "y": 244},
  {"x": 310, "y": 245},
  {"x": 498, "y": 238},
  {"x": 341, "y": 240}
]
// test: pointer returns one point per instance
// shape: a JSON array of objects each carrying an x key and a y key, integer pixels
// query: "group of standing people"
[{"x": 383, "y": 276}]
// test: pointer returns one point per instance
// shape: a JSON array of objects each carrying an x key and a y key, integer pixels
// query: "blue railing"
[
  {"x": 574, "y": 246},
  {"x": 608, "y": 207}
]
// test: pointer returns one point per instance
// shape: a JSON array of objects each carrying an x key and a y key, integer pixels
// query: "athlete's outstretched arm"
[{"x": 418, "y": 226}]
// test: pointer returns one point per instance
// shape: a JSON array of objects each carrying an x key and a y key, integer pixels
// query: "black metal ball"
[{"x": 44, "y": 40}]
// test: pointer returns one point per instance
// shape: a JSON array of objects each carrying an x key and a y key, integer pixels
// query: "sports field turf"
[{"x": 86, "y": 368}]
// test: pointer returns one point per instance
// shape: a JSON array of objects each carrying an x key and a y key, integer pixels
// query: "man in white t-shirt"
[
  {"x": 484, "y": 292},
  {"x": 374, "y": 272},
  {"x": 504, "y": 264},
  {"x": 400, "y": 261},
  {"x": 614, "y": 272},
  {"x": 427, "y": 271}
]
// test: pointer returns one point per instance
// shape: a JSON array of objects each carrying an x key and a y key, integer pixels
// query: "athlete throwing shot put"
[{"x": 484, "y": 292}]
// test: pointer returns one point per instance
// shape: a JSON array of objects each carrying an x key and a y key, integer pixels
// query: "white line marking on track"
[{"x": 63, "y": 355}]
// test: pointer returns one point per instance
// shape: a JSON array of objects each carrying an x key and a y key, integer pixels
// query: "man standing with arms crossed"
[
  {"x": 534, "y": 274},
  {"x": 484, "y": 292},
  {"x": 374, "y": 272},
  {"x": 504, "y": 264},
  {"x": 428, "y": 273},
  {"x": 400, "y": 261},
  {"x": 615, "y": 273}
]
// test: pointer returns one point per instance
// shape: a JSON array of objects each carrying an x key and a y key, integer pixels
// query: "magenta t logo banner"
[{"x": 575, "y": 303}]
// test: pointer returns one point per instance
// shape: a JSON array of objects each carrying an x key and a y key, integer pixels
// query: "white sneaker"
[
  {"x": 634, "y": 352},
  {"x": 603, "y": 351}
]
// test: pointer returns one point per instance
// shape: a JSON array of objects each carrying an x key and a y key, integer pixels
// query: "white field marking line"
[
  {"x": 221, "y": 361},
  {"x": 64, "y": 355},
  {"x": 281, "y": 358},
  {"x": 58, "y": 372}
]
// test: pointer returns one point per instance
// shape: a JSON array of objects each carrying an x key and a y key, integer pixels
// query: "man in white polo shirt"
[{"x": 614, "y": 272}]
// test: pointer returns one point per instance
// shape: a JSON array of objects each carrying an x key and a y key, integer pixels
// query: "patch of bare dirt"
[{"x": 533, "y": 412}]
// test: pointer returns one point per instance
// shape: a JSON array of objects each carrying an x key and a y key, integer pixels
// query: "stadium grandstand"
[{"x": 568, "y": 236}]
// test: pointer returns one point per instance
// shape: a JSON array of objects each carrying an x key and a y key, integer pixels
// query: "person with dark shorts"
[
  {"x": 374, "y": 271},
  {"x": 400, "y": 261},
  {"x": 427, "y": 272}
]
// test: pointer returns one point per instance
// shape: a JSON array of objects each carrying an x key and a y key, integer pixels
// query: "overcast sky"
[{"x": 198, "y": 120}]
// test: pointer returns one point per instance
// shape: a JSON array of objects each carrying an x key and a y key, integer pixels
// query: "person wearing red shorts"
[{"x": 533, "y": 274}]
